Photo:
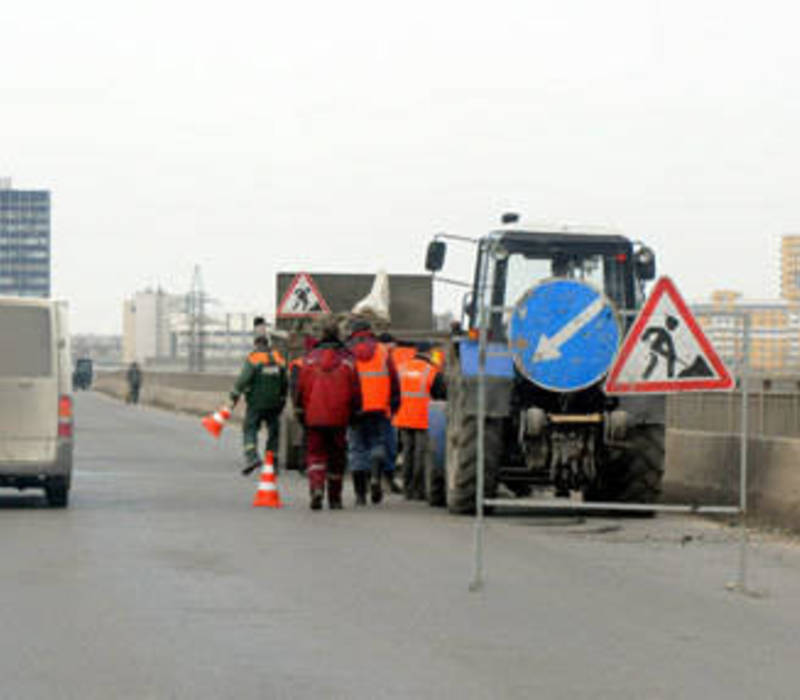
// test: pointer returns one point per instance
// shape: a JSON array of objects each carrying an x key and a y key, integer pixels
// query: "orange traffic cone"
[
  {"x": 215, "y": 422},
  {"x": 267, "y": 495}
]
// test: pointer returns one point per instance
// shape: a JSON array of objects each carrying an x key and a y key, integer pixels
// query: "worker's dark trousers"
[
  {"x": 253, "y": 419},
  {"x": 326, "y": 457},
  {"x": 415, "y": 443},
  {"x": 367, "y": 444}
]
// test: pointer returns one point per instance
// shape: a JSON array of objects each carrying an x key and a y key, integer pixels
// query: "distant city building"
[
  {"x": 24, "y": 241},
  {"x": 146, "y": 323},
  {"x": 790, "y": 267},
  {"x": 774, "y": 330},
  {"x": 226, "y": 339},
  {"x": 158, "y": 330}
]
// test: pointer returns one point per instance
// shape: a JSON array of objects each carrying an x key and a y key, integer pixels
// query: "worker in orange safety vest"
[
  {"x": 380, "y": 395},
  {"x": 420, "y": 381}
]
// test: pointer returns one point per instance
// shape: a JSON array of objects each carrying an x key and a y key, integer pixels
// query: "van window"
[{"x": 25, "y": 342}]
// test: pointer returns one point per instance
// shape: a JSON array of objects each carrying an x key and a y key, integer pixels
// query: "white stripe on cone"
[{"x": 267, "y": 486}]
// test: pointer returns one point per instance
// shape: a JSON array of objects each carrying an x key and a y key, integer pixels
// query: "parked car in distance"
[{"x": 83, "y": 374}]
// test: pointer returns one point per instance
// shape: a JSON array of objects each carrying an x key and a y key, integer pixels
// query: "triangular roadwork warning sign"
[
  {"x": 666, "y": 350},
  {"x": 302, "y": 299}
]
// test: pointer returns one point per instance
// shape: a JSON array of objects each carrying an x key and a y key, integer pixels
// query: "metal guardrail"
[{"x": 772, "y": 415}]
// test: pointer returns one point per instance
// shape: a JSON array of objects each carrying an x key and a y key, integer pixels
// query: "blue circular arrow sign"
[{"x": 564, "y": 335}]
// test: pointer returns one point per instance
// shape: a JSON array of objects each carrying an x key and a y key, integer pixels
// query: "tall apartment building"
[
  {"x": 790, "y": 268},
  {"x": 774, "y": 330},
  {"x": 774, "y": 323},
  {"x": 24, "y": 241}
]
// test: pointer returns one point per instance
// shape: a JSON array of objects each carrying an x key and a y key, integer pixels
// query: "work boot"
[
  {"x": 335, "y": 491},
  {"x": 316, "y": 500},
  {"x": 250, "y": 468},
  {"x": 376, "y": 492},
  {"x": 360, "y": 487}
]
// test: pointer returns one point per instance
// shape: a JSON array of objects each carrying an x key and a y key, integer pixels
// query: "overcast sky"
[{"x": 252, "y": 137}]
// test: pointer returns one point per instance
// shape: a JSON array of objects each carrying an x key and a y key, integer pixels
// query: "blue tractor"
[{"x": 556, "y": 305}]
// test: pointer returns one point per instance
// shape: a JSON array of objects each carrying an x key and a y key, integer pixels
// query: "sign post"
[
  {"x": 487, "y": 263},
  {"x": 744, "y": 391}
]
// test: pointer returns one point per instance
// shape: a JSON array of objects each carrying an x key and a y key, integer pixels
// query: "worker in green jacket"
[{"x": 264, "y": 383}]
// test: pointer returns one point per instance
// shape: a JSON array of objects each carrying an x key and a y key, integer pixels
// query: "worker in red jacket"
[
  {"x": 420, "y": 381},
  {"x": 327, "y": 397}
]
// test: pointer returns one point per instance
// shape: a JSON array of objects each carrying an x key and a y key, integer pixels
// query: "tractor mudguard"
[{"x": 499, "y": 378}]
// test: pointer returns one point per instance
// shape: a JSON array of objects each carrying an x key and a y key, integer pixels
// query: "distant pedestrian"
[
  {"x": 134, "y": 377},
  {"x": 380, "y": 392},
  {"x": 420, "y": 381},
  {"x": 326, "y": 399},
  {"x": 264, "y": 384}
]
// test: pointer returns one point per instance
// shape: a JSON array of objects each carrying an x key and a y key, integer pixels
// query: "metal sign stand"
[
  {"x": 478, "y": 577},
  {"x": 487, "y": 265},
  {"x": 741, "y": 583}
]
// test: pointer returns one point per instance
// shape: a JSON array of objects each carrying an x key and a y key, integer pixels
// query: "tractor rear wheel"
[{"x": 462, "y": 457}]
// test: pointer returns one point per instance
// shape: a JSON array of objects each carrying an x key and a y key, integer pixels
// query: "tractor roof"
[{"x": 590, "y": 240}]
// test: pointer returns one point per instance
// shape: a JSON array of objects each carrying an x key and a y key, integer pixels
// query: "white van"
[{"x": 35, "y": 402}]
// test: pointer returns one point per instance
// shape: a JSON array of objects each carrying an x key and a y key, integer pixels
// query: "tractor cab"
[{"x": 525, "y": 256}]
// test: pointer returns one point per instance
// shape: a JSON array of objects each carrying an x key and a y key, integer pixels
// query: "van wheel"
[{"x": 57, "y": 495}]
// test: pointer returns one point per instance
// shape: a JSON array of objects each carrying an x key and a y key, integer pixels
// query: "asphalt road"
[{"x": 160, "y": 581}]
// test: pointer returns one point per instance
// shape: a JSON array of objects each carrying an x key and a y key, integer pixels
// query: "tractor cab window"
[
  {"x": 521, "y": 273},
  {"x": 518, "y": 272}
]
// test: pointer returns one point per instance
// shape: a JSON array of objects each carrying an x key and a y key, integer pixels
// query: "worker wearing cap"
[
  {"x": 264, "y": 384},
  {"x": 420, "y": 380},
  {"x": 326, "y": 398},
  {"x": 380, "y": 395}
]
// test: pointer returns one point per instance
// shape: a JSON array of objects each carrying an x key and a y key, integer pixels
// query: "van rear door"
[{"x": 28, "y": 382}]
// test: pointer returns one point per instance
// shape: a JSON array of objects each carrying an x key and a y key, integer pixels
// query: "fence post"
[{"x": 741, "y": 584}]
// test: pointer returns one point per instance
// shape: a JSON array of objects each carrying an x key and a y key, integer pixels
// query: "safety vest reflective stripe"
[{"x": 423, "y": 392}]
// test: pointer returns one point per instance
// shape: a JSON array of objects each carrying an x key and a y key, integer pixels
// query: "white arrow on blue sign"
[{"x": 564, "y": 335}]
